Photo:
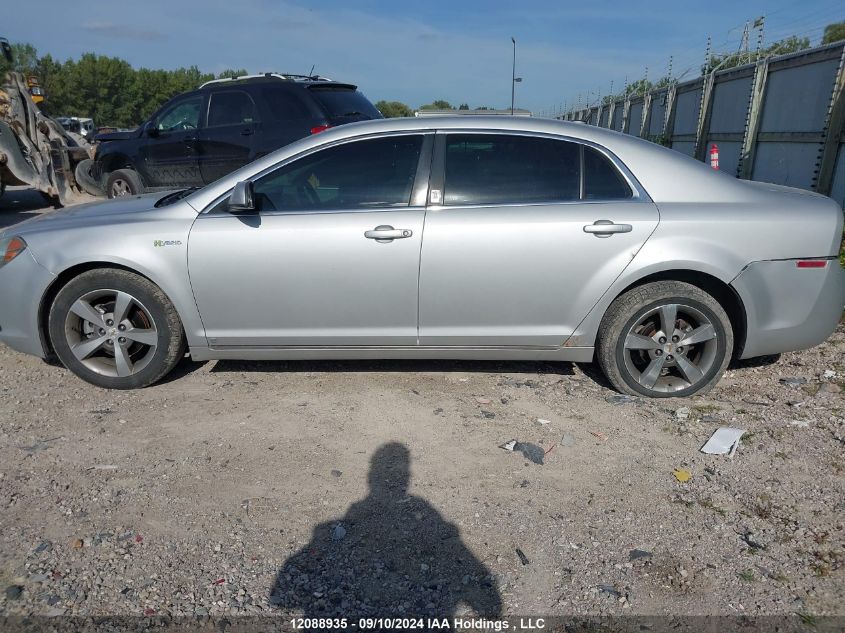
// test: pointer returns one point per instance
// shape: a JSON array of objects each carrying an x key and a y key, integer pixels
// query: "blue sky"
[{"x": 418, "y": 52}]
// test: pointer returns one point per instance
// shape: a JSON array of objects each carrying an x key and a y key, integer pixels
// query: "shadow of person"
[{"x": 392, "y": 554}]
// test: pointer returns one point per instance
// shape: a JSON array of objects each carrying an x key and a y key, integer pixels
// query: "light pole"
[{"x": 514, "y": 78}]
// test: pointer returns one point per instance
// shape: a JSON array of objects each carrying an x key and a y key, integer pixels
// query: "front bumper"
[
  {"x": 23, "y": 282},
  {"x": 789, "y": 308}
]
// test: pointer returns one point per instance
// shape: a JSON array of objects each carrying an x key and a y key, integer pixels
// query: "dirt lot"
[{"x": 246, "y": 488}]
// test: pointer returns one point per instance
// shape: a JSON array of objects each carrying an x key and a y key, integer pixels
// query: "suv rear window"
[{"x": 342, "y": 102}]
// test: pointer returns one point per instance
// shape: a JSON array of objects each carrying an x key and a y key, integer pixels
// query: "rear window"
[
  {"x": 602, "y": 181},
  {"x": 284, "y": 104},
  {"x": 344, "y": 103},
  {"x": 510, "y": 169}
]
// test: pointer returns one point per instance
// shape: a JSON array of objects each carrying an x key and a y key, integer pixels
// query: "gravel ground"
[{"x": 381, "y": 488}]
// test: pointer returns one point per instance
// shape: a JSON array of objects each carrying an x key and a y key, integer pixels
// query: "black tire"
[
  {"x": 123, "y": 180},
  {"x": 85, "y": 180},
  {"x": 638, "y": 312},
  {"x": 150, "y": 305}
]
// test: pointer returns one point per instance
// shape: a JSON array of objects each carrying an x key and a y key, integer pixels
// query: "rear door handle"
[
  {"x": 247, "y": 132},
  {"x": 385, "y": 233},
  {"x": 606, "y": 228}
]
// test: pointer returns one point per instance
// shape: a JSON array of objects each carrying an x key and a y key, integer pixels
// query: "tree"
[
  {"x": 730, "y": 60},
  {"x": 463, "y": 106},
  {"x": 25, "y": 59},
  {"x": 393, "y": 109},
  {"x": 229, "y": 73},
  {"x": 833, "y": 33},
  {"x": 439, "y": 104}
]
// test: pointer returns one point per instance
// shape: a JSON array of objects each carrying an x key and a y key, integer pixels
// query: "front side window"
[
  {"x": 369, "y": 174},
  {"x": 182, "y": 115},
  {"x": 233, "y": 107},
  {"x": 510, "y": 169}
]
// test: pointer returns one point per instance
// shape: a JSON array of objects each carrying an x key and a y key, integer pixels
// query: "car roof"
[{"x": 276, "y": 78}]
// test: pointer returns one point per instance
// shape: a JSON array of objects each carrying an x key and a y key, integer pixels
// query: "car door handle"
[
  {"x": 247, "y": 132},
  {"x": 606, "y": 228},
  {"x": 385, "y": 233}
]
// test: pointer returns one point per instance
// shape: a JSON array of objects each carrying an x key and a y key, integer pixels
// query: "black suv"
[{"x": 197, "y": 137}]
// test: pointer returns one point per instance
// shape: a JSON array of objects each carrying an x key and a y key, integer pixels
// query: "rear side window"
[
  {"x": 367, "y": 174},
  {"x": 602, "y": 181},
  {"x": 510, "y": 169},
  {"x": 282, "y": 104},
  {"x": 233, "y": 107},
  {"x": 340, "y": 103}
]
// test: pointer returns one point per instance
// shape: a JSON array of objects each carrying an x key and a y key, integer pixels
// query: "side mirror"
[
  {"x": 241, "y": 198},
  {"x": 152, "y": 130}
]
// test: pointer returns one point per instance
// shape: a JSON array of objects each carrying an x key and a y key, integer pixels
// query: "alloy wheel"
[
  {"x": 111, "y": 333},
  {"x": 671, "y": 347}
]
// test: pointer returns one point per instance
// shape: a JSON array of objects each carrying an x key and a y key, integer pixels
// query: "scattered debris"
[
  {"x": 482, "y": 400},
  {"x": 724, "y": 441},
  {"x": 549, "y": 450},
  {"x": 801, "y": 424},
  {"x": 636, "y": 554},
  {"x": 683, "y": 413},
  {"x": 336, "y": 473},
  {"x": 543, "y": 422},
  {"x": 793, "y": 382},
  {"x": 530, "y": 451},
  {"x": 599, "y": 435},
  {"x": 829, "y": 373},
  {"x": 103, "y": 467},
  {"x": 522, "y": 557},
  {"x": 13, "y": 592},
  {"x": 567, "y": 440},
  {"x": 338, "y": 533},
  {"x": 795, "y": 403},
  {"x": 682, "y": 475},
  {"x": 746, "y": 538},
  {"x": 77, "y": 544},
  {"x": 488, "y": 414},
  {"x": 611, "y": 590},
  {"x": 620, "y": 398}
]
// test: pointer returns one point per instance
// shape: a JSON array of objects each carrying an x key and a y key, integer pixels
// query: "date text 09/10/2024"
[{"x": 411, "y": 623}]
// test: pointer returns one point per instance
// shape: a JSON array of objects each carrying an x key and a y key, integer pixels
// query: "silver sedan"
[{"x": 464, "y": 237}]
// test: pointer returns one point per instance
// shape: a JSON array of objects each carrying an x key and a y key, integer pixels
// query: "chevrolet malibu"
[{"x": 461, "y": 238}]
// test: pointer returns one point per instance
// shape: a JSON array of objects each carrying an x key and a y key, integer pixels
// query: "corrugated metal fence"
[{"x": 779, "y": 120}]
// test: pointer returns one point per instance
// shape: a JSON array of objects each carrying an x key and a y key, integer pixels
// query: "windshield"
[{"x": 344, "y": 103}]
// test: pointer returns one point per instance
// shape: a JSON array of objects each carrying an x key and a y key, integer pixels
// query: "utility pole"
[
  {"x": 513, "y": 74},
  {"x": 760, "y": 24}
]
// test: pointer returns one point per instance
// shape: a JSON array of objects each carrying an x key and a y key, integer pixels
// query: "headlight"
[{"x": 10, "y": 247}]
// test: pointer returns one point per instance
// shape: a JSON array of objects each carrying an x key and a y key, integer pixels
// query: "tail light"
[
  {"x": 319, "y": 128},
  {"x": 10, "y": 248},
  {"x": 811, "y": 263}
]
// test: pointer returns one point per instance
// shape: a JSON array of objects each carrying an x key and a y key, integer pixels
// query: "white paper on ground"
[{"x": 723, "y": 441}]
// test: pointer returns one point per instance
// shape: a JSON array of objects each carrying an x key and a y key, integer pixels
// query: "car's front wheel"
[
  {"x": 115, "y": 329},
  {"x": 665, "y": 339}
]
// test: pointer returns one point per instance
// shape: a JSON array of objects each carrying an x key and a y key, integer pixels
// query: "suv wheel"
[
  {"x": 665, "y": 339},
  {"x": 123, "y": 182},
  {"x": 115, "y": 329}
]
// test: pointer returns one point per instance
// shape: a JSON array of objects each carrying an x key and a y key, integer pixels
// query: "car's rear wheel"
[
  {"x": 665, "y": 339},
  {"x": 123, "y": 182},
  {"x": 115, "y": 329}
]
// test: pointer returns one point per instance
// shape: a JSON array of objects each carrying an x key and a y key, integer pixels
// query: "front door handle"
[
  {"x": 385, "y": 233},
  {"x": 606, "y": 228},
  {"x": 246, "y": 132}
]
